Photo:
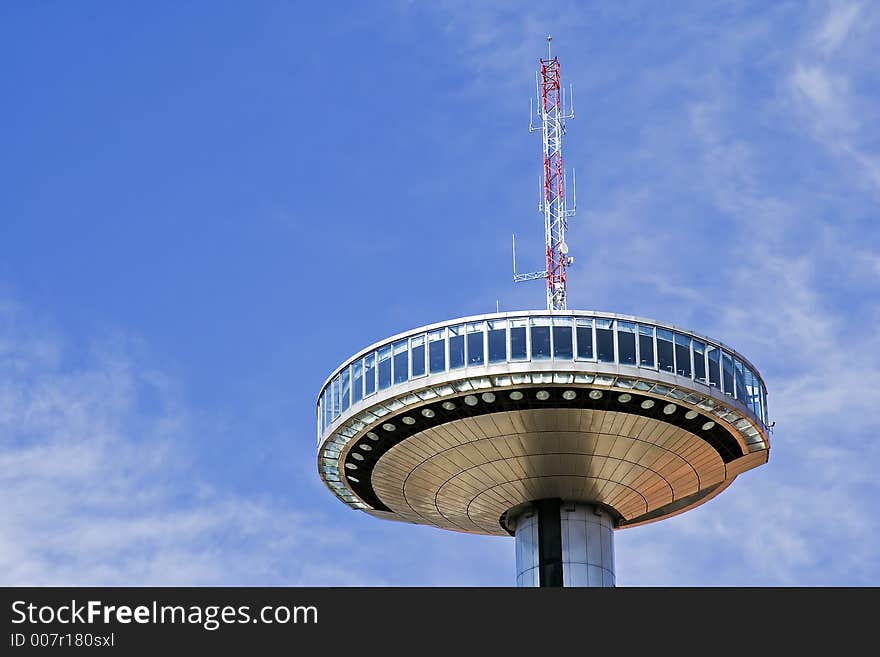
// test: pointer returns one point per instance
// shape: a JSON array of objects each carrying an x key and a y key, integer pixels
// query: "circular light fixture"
[
  {"x": 408, "y": 420},
  {"x": 427, "y": 412},
  {"x": 543, "y": 395},
  {"x": 516, "y": 395},
  {"x": 388, "y": 426},
  {"x": 351, "y": 466},
  {"x": 690, "y": 415},
  {"x": 669, "y": 409},
  {"x": 372, "y": 436},
  {"x": 595, "y": 394},
  {"x": 488, "y": 397},
  {"x": 569, "y": 395},
  {"x": 449, "y": 406},
  {"x": 624, "y": 398},
  {"x": 470, "y": 400},
  {"x": 648, "y": 403},
  {"x": 365, "y": 447},
  {"x": 354, "y": 479},
  {"x": 357, "y": 457},
  {"x": 708, "y": 425}
]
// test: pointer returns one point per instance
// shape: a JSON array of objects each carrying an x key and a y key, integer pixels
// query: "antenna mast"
[{"x": 552, "y": 114}]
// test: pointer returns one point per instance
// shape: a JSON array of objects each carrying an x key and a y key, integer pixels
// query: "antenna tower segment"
[{"x": 552, "y": 114}]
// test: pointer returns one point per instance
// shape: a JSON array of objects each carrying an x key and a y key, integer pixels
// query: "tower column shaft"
[{"x": 562, "y": 543}]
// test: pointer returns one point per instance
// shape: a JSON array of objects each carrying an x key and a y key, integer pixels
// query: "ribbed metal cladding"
[
  {"x": 561, "y": 543},
  {"x": 527, "y": 549}
]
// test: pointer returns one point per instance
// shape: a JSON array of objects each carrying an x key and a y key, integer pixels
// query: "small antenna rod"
[{"x": 513, "y": 237}]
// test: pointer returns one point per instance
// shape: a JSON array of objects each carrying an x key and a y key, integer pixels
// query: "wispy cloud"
[
  {"x": 102, "y": 489},
  {"x": 836, "y": 26},
  {"x": 829, "y": 81}
]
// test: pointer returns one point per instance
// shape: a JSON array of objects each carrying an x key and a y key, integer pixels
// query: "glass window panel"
[
  {"x": 759, "y": 409},
  {"x": 417, "y": 353},
  {"x": 646, "y": 346},
  {"x": 328, "y": 408},
  {"x": 456, "y": 347},
  {"x": 384, "y": 367},
  {"x": 437, "y": 351},
  {"x": 369, "y": 374},
  {"x": 475, "y": 348},
  {"x": 518, "y": 340},
  {"x": 325, "y": 408},
  {"x": 475, "y": 355},
  {"x": 683, "y": 355},
  {"x": 584, "y": 330},
  {"x": 664, "y": 350},
  {"x": 336, "y": 397},
  {"x": 699, "y": 361},
  {"x": 759, "y": 406},
  {"x": 401, "y": 361},
  {"x": 727, "y": 374},
  {"x": 604, "y": 341},
  {"x": 345, "y": 388},
  {"x": 766, "y": 415},
  {"x": 562, "y": 346},
  {"x": 540, "y": 331},
  {"x": 740, "y": 382},
  {"x": 714, "y": 357},
  {"x": 357, "y": 382},
  {"x": 752, "y": 392},
  {"x": 498, "y": 341},
  {"x": 626, "y": 343}
]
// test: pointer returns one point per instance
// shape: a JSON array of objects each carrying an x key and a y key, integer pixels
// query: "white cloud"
[
  {"x": 814, "y": 82},
  {"x": 100, "y": 487},
  {"x": 827, "y": 81},
  {"x": 837, "y": 25}
]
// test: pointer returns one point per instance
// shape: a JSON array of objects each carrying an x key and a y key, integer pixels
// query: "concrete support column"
[{"x": 562, "y": 543}]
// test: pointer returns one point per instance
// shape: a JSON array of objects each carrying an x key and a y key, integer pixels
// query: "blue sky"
[{"x": 207, "y": 206}]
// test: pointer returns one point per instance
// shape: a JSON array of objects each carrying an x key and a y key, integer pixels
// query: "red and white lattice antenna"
[{"x": 552, "y": 114}]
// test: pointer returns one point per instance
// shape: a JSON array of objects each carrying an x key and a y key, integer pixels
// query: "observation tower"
[{"x": 556, "y": 426}]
